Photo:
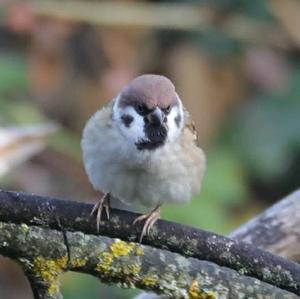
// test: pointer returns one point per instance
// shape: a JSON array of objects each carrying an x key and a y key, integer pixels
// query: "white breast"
[{"x": 172, "y": 173}]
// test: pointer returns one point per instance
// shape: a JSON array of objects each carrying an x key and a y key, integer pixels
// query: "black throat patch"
[{"x": 157, "y": 136}]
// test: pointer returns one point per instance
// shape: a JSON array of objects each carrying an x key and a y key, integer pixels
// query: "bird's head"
[{"x": 148, "y": 112}]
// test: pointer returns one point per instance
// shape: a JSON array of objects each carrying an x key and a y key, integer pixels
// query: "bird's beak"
[{"x": 156, "y": 117}]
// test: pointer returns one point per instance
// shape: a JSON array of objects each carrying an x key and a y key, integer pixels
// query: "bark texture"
[
  {"x": 276, "y": 230},
  {"x": 43, "y": 254},
  {"x": 203, "y": 264}
]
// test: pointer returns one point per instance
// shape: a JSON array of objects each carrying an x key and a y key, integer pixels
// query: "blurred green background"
[{"x": 235, "y": 64}]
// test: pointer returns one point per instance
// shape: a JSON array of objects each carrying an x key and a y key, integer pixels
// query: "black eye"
[
  {"x": 141, "y": 109},
  {"x": 167, "y": 110}
]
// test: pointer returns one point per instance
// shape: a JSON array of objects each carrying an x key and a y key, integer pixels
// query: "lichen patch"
[
  {"x": 120, "y": 248},
  {"x": 49, "y": 271},
  {"x": 195, "y": 292},
  {"x": 108, "y": 260},
  {"x": 150, "y": 280},
  {"x": 78, "y": 262}
]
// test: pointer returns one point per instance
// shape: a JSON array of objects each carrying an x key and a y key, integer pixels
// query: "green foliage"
[
  {"x": 257, "y": 9},
  {"x": 13, "y": 83},
  {"x": 216, "y": 43},
  {"x": 18, "y": 112},
  {"x": 78, "y": 286},
  {"x": 12, "y": 74},
  {"x": 266, "y": 131}
]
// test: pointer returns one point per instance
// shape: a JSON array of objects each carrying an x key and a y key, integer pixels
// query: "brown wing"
[{"x": 190, "y": 126}]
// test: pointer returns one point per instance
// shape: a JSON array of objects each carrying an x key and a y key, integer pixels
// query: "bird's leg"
[
  {"x": 150, "y": 219},
  {"x": 104, "y": 202}
]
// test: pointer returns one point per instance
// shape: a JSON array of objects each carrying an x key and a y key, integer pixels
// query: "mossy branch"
[
  {"x": 43, "y": 274},
  {"x": 212, "y": 251},
  {"x": 43, "y": 254}
]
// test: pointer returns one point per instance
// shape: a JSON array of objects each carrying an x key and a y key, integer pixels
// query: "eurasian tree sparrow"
[{"x": 142, "y": 148}]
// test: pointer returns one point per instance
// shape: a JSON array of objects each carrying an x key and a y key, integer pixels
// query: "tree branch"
[
  {"x": 275, "y": 230},
  {"x": 43, "y": 254},
  {"x": 43, "y": 276},
  {"x": 73, "y": 216}
]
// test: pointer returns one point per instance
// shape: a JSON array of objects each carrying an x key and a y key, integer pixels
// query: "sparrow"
[{"x": 142, "y": 148}]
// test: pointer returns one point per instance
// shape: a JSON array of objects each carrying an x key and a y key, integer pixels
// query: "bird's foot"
[
  {"x": 150, "y": 219},
  {"x": 104, "y": 202}
]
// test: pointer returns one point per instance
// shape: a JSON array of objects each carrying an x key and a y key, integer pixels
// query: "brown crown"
[{"x": 151, "y": 90}]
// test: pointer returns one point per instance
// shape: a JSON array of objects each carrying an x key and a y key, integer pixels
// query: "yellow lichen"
[
  {"x": 150, "y": 280},
  {"x": 106, "y": 259},
  {"x": 132, "y": 269},
  {"x": 196, "y": 293},
  {"x": 78, "y": 262},
  {"x": 139, "y": 251},
  {"x": 212, "y": 294},
  {"x": 121, "y": 248},
  {"x": 49, "y": 271}
]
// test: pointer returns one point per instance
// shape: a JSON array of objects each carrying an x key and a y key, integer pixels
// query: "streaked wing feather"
[{"x": 190, "y": 125}]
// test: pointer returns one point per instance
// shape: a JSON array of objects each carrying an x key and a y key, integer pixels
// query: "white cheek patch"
[
  {"x": 135, "y": 131},
  {"x": 175, "y": 123}
]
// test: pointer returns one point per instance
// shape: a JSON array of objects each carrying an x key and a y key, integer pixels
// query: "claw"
[
  {"x": 104, "y": 202},
  {"x": 150, "y": 220}
]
